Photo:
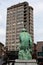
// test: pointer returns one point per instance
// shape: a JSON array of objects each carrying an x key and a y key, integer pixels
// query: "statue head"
[{"x": 24, "y": 30}]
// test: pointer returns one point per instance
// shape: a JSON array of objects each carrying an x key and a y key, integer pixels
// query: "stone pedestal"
[{"x": 25, "y": 62}]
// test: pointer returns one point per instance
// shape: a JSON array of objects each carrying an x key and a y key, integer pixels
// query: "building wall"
[
  {"x": 18, "y": 17},
  {"x": 40, "y": 49},
  {"x": 31, "y": 25},
  {"x": 1, "y": 47},
  {"x": 40, "y": 46},
  {"x": 34, "y": 54}
]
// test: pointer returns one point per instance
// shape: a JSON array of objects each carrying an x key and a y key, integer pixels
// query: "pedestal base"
[{"x": 25, "y": 62}]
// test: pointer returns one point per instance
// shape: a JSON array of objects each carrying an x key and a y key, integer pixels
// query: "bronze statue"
[{"x": 25, "y": 47}]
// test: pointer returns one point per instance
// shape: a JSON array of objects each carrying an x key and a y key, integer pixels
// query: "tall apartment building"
[{"x": 19, "y": 16}]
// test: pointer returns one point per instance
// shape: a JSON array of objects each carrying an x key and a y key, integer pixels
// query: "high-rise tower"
[{"x": 19, "y": 16}]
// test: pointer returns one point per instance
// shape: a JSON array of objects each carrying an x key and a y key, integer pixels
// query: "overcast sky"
[{"x": 38, "y": 17}]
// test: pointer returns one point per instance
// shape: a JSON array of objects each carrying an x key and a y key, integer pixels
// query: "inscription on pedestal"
[{"x": 25, "y": 62}]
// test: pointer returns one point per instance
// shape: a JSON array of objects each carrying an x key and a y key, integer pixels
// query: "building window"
[
  {"x": 25, "y": 21},
  {"x": 40, "y": 53},
  {"x": 13, "y": 47},
  {"x": 42, "y": 48},
  {"x": 24, "y": 17},
  {"x": 25, "y": 8},
  {"x": 25, "y": 11},
  {"x": 24, "y": 4},
  {"x": 25, "y": 14}
]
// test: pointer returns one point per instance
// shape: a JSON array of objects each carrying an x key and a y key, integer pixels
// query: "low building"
[
  {"x": 1, "y": 49},
  {"x": 34, "y": 54},
  {"x": 40, "y": 52}
]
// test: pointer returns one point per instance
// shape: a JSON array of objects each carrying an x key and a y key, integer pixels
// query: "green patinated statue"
[{"x": 25, "y": 47}]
